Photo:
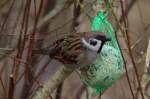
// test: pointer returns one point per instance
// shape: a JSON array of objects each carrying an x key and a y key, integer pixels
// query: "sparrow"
[{"x": 78, "y": 49}]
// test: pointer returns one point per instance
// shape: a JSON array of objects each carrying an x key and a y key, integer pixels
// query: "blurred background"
[{"x": 26, "y": 25}]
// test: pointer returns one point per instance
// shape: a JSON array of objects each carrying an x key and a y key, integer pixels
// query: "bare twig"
[
  {"x": 119, "y": 26},
  {"x": 28, "y": 74},
  {"x": 59, "y": 91},
  {"x": 11, "y": 87},
  {"x": 6, "y": 18},
  {"x": 148, "y": 58},
  {"x": 3, "y": 86},
  {"x": 56, "y": 11},
  {"x": 130, "y": 53},
  {"x": 146, "y": 75}
]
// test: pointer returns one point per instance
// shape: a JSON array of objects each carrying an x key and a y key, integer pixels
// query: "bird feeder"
[
  {"x": 108, "y": 67},
  {"x": 104, "y": 71}
]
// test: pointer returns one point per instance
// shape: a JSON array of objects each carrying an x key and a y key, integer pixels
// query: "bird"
[{"x": 78, "y": 49}]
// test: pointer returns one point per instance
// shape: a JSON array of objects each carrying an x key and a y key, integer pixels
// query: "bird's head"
[{"x": 95, "y": 41}]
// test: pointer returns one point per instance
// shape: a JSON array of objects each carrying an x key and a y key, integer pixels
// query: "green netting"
[
  {"x": 108, "y": 67},
  {"x": 104, "y": 71},
  {"x": 102, "y": 6},
  {"x": 100, "y": 23}
]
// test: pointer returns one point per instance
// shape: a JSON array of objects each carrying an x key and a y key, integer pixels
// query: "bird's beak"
[{"x": 108, "y": 38}]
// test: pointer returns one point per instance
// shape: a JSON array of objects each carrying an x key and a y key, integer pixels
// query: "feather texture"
[{"x": 70, "y": 49}]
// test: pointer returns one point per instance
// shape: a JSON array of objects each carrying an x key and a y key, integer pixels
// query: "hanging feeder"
[
  {"x": 104, "y": 71},
  {"x": 108, "y": 66}
]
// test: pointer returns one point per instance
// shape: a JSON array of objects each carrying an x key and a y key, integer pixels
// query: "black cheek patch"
[{"x": 93, "y": 42}]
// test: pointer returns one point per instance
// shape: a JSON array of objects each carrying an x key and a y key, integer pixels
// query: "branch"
[
  {"x": 146, "y": 76},
  {"x": 11, "y": 87},
  {"x": 148, "y": 58},
  {"x": 48, "y": 88},
  {"x": 60, "y": 7}
]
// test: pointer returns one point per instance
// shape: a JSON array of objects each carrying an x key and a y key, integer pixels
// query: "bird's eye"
[{"x": 92, "y": 42}]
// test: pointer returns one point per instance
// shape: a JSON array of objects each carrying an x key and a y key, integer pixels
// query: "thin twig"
[
  {"x": 59, "y": 91},
  {"x": 57, "y": 10},
  {"x": 3, "y": 86},
  {"x": 125, "y": 66},
  {"x": 7, "y": 16},
  {"x": 132, "y": 58},
  {"x": 28, "y": 74},
  {"x": 11, "y": 87}
]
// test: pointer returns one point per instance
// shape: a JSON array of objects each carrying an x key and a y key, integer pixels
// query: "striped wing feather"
[{"x": 68, "y": 48}]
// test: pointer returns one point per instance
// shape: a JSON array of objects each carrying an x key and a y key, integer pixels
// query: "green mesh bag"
[
  {"x": 104, "y": 71},
  {"x": 100, "y": 23},
  {"x": 108, "y": 67}
]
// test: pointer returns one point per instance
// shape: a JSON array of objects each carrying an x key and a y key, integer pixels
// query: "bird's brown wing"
[{"x": 68, "y": 49}]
